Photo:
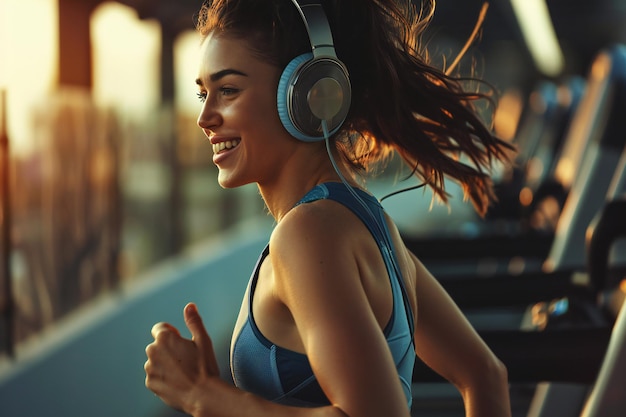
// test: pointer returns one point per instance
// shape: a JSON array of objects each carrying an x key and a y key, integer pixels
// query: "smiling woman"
[{"x": 301, "y": 98}]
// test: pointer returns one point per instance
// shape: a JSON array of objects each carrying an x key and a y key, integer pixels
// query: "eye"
[
  {"x": 201, "y": 96},
  {"x": 228, "y": 91}
]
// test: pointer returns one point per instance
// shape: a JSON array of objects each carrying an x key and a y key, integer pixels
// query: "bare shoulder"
[
  {"x": 317, "y": 247},
  {"x": 316, "y": 227}
]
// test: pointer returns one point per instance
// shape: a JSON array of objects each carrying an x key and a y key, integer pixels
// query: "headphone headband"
[{"x": 317, "y": 27}]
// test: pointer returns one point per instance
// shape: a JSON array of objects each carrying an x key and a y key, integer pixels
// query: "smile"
[{"x": 223, "y": 146}]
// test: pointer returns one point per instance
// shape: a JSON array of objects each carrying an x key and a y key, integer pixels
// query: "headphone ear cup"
[
  {"x": 310, "y": 90},
  {"x": 282, "y": 98}
]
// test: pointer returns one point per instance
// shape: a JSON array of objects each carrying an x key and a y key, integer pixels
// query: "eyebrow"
[{"x": 221, "y": 74}]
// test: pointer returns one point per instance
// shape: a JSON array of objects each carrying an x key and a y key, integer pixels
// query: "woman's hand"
[{"x": 178, "y": 368}]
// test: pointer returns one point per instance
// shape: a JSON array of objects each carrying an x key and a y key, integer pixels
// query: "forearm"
[
  {"x": 220, "y": 399},
  {"x": 447, "y": 342}
]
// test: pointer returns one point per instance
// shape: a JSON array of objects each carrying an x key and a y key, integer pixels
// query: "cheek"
[{"x": 264, "y": 116}]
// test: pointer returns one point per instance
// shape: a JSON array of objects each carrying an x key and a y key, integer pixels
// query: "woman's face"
[{"x": 239, "y": 114}]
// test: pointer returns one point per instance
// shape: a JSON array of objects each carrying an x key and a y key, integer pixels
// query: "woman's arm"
[{"x": 447, "y": 343}]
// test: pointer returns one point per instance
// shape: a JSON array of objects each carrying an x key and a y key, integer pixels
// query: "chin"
[{"x": 227, "y": 182}]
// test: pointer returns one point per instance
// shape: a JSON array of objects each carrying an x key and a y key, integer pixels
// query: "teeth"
[{"x": 229, "y": 144}]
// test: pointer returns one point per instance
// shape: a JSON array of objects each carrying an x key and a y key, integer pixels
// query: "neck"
[{"x": 299, "y": 175}]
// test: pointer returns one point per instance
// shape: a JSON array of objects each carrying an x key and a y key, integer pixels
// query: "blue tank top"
[{"x": 284, "y": 376}]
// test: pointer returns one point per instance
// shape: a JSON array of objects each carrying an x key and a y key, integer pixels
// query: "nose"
[{"x": 209, "y": 117}]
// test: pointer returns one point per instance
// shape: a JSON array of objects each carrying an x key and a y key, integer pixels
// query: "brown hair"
[{"x": 400, "y": 103}]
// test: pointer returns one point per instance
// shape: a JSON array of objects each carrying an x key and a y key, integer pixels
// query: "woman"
[{"x": 337, "y": 306}]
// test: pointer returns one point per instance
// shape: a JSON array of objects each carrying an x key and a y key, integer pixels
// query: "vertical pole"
[
  {"x": 75, "y": 66},
  {"x": 7, "y": 306},
  {"x": 175, "y": 204}
]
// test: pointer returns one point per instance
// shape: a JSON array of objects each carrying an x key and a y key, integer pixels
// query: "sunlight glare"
[
  {"x": 28, "y": 63},
  {"x": 186, "y": 53},
  {"x": 126, "y": 57}
]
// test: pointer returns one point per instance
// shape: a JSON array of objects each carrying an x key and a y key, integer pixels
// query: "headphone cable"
[{"x": 414, "y": 187}]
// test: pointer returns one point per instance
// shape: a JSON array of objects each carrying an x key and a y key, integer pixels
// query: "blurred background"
[
  {"x": 106, "y": 177},
  {"x": 109, "y": 173}
]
